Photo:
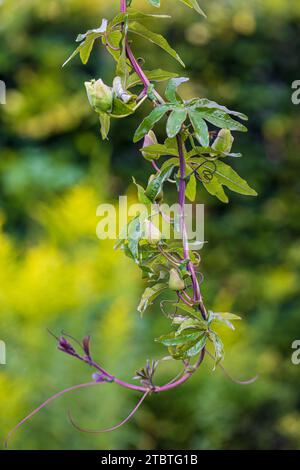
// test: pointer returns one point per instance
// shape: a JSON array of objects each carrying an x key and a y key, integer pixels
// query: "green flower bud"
[
  {"x": 100, "y": 95},
  {"x": 175, "y": 281},
  {"x": 151, "y": 233},
  {"x": 223, "y": 141}
]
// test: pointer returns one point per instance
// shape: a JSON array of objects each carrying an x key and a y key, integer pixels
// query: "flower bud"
[
  {"x": 151, "y": 233},
  {"x": 100, "y": 95},
  {"x": 150, "y": 139},
  {"x": 175, "y": 281},
  {"x": 223, "y": 141}
]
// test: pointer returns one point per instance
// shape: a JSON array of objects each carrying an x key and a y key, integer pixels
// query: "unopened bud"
[
  {"x": 175, "y": 281},
  {"x": 100, "y": 95},
  {"x": 150, "y": 139},
  {"x": 223, "y": 141}
]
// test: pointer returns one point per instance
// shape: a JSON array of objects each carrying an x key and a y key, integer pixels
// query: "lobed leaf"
[
  {"x": 230, "y": 178},
  {"x": 88, "y": 38},
  {"x": 175, "y": 121}
]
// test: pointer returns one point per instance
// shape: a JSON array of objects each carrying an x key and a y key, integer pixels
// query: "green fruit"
[
  {"x": 175, "y": 281},
  {"x": 100, "y": 95}
]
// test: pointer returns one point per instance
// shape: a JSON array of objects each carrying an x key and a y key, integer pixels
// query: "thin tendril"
[
  {"x": 113, "y": 428},
  {"x": 49, "y": 400},
  {"x": 226, "y": 373}
]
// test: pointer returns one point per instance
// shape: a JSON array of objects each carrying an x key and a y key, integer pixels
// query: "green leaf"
[
  {"x": 223, "y": 175},
  {"x": 170, "y": 162},
  {"x": 105, "y": 124},
  {"x": 222, "y": 120},
  {"x": 85, "y": 51},
  {"x": 175, "y": 121},
  {"x": 190, "y": 310},
  {"x": 191, "y": 324},
  {"x": 155, "y": 38},
  {"x": 218, "y": 346},
  {"x": 157, "y": 75},
  {"x": 229, "y": 177},
  {"x": 195, "y": 350},
  {"x": 172, "y": 340},
  {"x": 208, "y": 104},
  {"x": 143, "y": 199},
  {"x": 200, "y": 127},
  {"x": 157, "y": 150},
  {"x": 148, "y": 123},
  {"x": 191, "y": 188},
  {"x": 225, "y": 318},
  {"x": 134, "y": 236},
  {"x": 194, "y": 4},
  {"x": 149, "y": 296},
  {"x": 88, "y": 38},
  {"x": 172, "y": 86},
  {"x": 92, "y": 32},
  {"x": 215, "y": 188},
  {"x": 132, "y": 15},
  {"x": 113, "y": 39},
  {"x": 155, "y": 186}
]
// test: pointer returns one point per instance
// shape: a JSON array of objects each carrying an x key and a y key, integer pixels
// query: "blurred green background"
[{"x": 54, "y": 273}]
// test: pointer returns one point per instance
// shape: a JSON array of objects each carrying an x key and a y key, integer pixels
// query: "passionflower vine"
[{"x": 187, "y": 151}]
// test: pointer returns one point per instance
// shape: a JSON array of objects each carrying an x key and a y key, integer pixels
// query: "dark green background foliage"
[{"x": 55, "y": 170}]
